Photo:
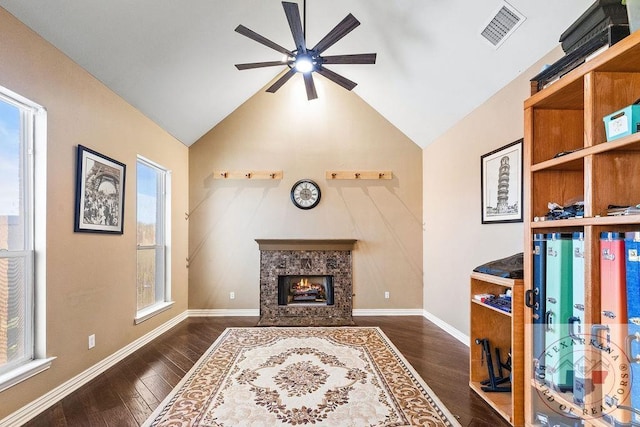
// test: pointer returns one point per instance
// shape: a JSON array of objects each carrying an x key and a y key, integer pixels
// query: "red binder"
[{"x": 612, "y": 333}]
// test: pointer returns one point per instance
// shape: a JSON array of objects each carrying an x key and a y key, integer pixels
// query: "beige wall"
[
  {"x": 455, "y": 240},
  {"x": 284, "y": 131},
  {"x": 91, "y": 278}
]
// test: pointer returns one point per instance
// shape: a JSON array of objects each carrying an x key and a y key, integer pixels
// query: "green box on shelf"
[{"x": 623, "y": 122}]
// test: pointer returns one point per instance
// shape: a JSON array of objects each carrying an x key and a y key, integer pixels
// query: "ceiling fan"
[{"x": 307, "y": 61}]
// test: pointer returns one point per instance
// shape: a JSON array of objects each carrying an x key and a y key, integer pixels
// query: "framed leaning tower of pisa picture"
[{"x": 501, "y": 180}]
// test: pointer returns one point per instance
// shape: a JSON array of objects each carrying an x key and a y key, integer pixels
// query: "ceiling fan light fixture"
[{"x": 304, "y": 64}]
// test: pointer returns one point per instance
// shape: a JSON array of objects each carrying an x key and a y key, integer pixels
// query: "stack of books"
[{"x": 615, "y": 210}]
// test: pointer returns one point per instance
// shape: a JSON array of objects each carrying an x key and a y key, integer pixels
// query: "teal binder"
[
  {"x": 537, "y": 302},
  {"x": 559, "y": 305}
]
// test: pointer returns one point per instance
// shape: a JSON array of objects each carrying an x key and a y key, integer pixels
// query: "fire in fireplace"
[{"x": 304, "y": 289}]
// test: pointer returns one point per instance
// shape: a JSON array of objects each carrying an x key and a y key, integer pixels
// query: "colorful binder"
[
  {"x": 581, "y": 379},
  {"x": 632, "y": 267},
  {"x": 613, "y": 329},
  {"x": 538, "y": 303},
  {"x": 559, "y": 308}
]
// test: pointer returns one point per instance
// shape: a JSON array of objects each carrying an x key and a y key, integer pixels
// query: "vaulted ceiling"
[{"x": 174, "y": 60}]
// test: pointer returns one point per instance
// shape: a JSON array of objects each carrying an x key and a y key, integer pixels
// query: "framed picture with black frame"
[
  {"x": 99, "y": 193},
  {"x": 501, "y": 184}
]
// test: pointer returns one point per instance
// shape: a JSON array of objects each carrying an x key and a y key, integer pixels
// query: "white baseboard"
[
  {"x": 248, "y": 312},
  {"x": 464, "y": 339},
  {"x": 31, "y": 410}
]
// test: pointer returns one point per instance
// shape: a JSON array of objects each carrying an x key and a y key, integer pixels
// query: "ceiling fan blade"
[
  {"x": 360, "y": 58},
  {"x": 293, "y": 16},
  {"x": 342, "y": 29},
  {"x": 262, "y": 40},
  {"x": 281, "y": 81},
  {"x": 310, "y": 86},
  {"x": 259, "y": 65},
  {"x": 337, "y": 78}
]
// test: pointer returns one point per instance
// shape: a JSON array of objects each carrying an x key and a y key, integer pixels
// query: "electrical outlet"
[
  {"x": 92, "y": 341},
  {"x": 232, "y": 295},
  {"x": 386, "y": 295}
]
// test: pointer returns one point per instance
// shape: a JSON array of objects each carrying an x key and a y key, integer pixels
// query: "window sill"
[
  {"x": 149, "y": 312},
  {"x": 24, "y": 372}
]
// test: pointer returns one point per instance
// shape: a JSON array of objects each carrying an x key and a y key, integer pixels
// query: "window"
[
  {"x": 153, "y": 232},
  {"x": 22, "y": 234}
]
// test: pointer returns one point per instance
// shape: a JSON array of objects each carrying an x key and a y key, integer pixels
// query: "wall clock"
[{"x": 305, "y": 194}]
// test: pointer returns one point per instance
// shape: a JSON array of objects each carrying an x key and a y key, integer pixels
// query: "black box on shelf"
[
  {"x": 602, "y": 25},
  {"x": 604, "y": 39},
  {"x": 600, "y": 15}
]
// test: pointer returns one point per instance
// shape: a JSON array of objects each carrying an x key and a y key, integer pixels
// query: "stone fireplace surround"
[{"x": 306, "y": 257}]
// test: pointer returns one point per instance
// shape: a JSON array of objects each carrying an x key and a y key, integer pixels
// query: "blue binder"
[
  {"x": 559, "y": 299},
  {"x": 632, "y": 267}
]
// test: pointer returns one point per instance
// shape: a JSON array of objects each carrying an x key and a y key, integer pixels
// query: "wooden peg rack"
[
  {"x": 248, "y": 174},
  {"x": 359, "y": 175}
]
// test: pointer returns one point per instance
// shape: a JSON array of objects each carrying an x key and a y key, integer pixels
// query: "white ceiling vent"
[{"x": 502, "y": 25}]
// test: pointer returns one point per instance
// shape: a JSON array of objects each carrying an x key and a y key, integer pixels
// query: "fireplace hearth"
[{"x": 305, "y": 282}]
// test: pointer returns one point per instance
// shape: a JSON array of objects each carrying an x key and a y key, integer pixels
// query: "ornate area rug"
[{"x": 324, "y": 376}]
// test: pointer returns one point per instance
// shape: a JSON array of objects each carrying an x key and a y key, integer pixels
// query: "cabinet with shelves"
[
  {"x": 503, "y": 330},
  {"x": 567, "y": 117}
]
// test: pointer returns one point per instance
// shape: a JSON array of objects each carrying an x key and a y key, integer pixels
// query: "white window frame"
[
  {"x": 33, "y": 118},
  {"x": 164, "y": 224}
]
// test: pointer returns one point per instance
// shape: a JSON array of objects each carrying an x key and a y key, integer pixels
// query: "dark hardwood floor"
[{"x": 126, "y": 394}]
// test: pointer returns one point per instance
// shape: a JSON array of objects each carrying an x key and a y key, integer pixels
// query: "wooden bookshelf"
[
  {"x": 568, "y": 116},
  {"x": 504, "y": 331}
]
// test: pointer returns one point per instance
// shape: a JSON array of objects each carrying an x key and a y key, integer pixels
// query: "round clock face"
[{"x": 305, "y": 194}]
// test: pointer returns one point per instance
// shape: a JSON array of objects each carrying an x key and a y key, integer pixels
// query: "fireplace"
[
  {"x": 305, "y": 282},
  {"x": 302, "y": 289}
]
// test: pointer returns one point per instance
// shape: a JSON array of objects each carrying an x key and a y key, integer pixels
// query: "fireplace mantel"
[{"x": 306, "y": 244}]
